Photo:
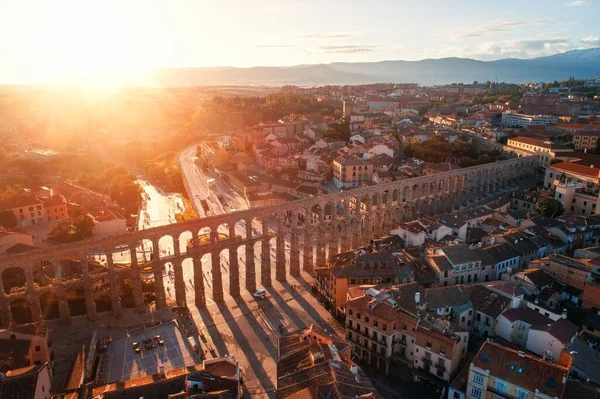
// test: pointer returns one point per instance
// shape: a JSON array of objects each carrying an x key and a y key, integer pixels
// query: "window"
[
  {"x": 404, "y": 327},
  {"x": 428, "y": 344},
  {"x": 478, "y": 378},
  {"x": 476, "y": 392},
  {"x": 500, "y": 386},
  {"x": 350, "y": 312},
  {"x": 375, "y": 323},
  {"x": 358, "y": 316},
  {"x": 350, "y": 323},
  {"x": 521, "y": 394},
  {"x": 37, "y": 348},
  {"x": 366, "y": 319},
  {"x": 384, "y": 327},
  {"x": 442, "y": 350}
]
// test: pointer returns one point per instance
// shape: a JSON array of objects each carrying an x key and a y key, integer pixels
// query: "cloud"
[
  {"x": 332, "y": 35},
  {"x": 591, "y": 41},
  {"x": 522, "y": 48},
  {"x": 578, "y": 3},
  {"x": 348, "y": 49},
  {"x": 276, "y": 46},
  {"x": 493, "y": 28}
]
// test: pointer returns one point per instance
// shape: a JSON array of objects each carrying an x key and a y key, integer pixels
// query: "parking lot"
[{"x": 124, "y": 363}]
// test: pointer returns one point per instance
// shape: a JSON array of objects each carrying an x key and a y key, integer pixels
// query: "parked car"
[
  {"x": 158, "y": 339},
  {"x": 136, "y": 347},
  {"x": 260, "y": 294}
]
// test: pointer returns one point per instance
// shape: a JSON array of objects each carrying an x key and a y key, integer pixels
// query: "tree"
[
  {"x": 8, "y": 219},
  {"x": 84, "y": 226},
  {"x": 549, "y": 207}
]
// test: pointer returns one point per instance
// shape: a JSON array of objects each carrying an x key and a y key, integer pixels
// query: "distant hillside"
[{"x": 578, "y": 63}]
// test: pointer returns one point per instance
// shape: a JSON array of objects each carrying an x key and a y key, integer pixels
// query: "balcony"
[
  {"x": 440, "y": 366},
  {"x": 500, "y": 394},
  {"x": 427, "y": 361}
]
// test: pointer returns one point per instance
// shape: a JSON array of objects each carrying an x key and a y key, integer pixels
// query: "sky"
[{"x": 62, "y": 40}]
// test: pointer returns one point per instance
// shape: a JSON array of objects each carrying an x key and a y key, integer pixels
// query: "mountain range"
[{"x": 578, "y": 63}]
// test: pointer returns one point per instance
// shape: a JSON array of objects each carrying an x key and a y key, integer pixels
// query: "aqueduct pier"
[{"x": 314, "y": 228}]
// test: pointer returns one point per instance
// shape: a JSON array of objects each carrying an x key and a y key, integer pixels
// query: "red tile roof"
[
  {"x": 526, "y": 371},
  {"x": 17, "y": 202},
  {"x": 575, "y": 168}
]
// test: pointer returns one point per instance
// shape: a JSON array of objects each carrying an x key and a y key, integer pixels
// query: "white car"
[{"x": 259, "y": 294}]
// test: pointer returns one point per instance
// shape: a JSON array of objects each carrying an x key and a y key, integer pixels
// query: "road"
[{"x": 198, "y": 188}]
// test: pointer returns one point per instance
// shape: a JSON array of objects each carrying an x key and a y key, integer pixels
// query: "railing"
[
  {"x": 427, "y": 361},
  {"x": 441, "y": 366}
]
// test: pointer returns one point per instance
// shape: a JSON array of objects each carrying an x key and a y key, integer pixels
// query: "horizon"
[{"x": 97, "y": 42}]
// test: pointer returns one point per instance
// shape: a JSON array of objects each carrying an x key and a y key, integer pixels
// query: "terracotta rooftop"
[
  {"x": 570, "y": 167},
  {"x": 520, "y": 369},
  {"x": 19, "y": 201},
  {"x": 312, "y": 362}
]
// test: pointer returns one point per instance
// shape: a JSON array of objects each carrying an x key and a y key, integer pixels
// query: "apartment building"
[
  {"x": 350, "y": 171},
  {"x": 466, "y": 265},
  {"x": 27, "y": 210},
  {"x": 498, "y": 371},
  {"x": 398, "y": 325},
  {"x": 379, "y": 104},
  {"x": 359, "y": 267},
  {"x": 56, "y": 208},
  {"x": 586, "y": 140},
  {"x": 513, "y": 119},
  {"x": 572, "y": 172},
  {"x": 566, "y": 270},
  {"x": 546, "y": 149},
  {"x": 577, "y": 198}
]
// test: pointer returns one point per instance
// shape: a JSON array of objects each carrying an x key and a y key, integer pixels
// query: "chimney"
[
  {"x": 564, "y": 314},
  {"x": 354, "y": 369}
]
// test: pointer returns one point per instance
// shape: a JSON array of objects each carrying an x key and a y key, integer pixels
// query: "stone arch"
[
  {"x": 21, "y": 311},
  {"x": 185, "y": 241},
  {"x": 101, "y": 290},
  {"x": 415, "y": 193},
  {"x": 395, "y": 197},
  {"x": 75, "y": 297},
  {"x": 405, "y": 193},
  {"x": 14, "y": 280},
  {"x": 315, "y": 214},
  {"x": 222, "y": 231},
  {"x": 120, "y": 255},
  {"x": 125, "y": 287},
  {"x": 49, "y": 305},
  {"x": 166, "y": 246},
  {"x": 240, "y": 228},
  {"x": 144, "y": 251},
  {"x": 256, "y": 227},
  {"x": 205, "y": 235}
]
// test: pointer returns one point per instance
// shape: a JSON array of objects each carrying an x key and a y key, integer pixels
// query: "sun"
[{"x": 86, "y": 42}]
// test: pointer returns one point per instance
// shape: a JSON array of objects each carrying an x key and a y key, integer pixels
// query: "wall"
[{"x": 538, "y": 341}]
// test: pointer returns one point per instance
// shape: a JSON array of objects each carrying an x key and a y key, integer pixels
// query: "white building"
[{"x": 512, "y": 119}]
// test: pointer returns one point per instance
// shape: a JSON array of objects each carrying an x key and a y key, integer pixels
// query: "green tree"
[
  {"x": 84, "y": 226},
  {"x": 549, "y": 207},
  {"x": 11, "y": 191},
  {"x": 8, "y": 219}
]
